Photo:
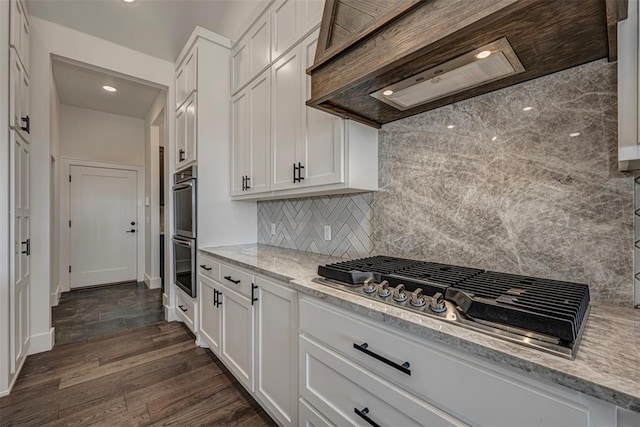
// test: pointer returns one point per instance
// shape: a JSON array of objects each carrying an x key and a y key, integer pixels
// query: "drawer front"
[
  {"x": 236, "y": 280},
  {"x": 309, "y": 417},
  {"x": 185, "y": 308},
  {"x": 468, "y": 391},
  {"x": 208, "y": 267},
  {"x": 348, "y": 394}
]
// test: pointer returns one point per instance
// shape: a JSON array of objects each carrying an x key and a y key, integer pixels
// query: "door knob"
[
  {"x": 133, "y": 230},
  {"x": 133, "y": 223}
]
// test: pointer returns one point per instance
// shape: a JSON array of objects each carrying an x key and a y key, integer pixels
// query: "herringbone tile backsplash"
[{"x": 299, "y": 224}]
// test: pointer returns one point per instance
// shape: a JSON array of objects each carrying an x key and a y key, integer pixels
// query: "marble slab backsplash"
[
  {"x": 523, "y": 180},
  {"x": 299, "y": 224}
]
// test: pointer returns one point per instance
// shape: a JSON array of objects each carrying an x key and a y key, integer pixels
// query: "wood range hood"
[{"x": 382, "y": 60}]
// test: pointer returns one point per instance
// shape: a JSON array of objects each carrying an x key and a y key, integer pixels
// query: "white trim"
[
  {"x": 42, "y": 342},
  {"x": 13, "y": 379},
  {"x": 257, "y": 13},
  {"x": 200, "y": 32},
  {"x": 65, "y": 169},
  {"x": 152, "y": 282},
  {"x": 55, "y": 296}
]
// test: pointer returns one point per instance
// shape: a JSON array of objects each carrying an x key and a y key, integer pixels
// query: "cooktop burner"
[{"x": 546, "y": 314}]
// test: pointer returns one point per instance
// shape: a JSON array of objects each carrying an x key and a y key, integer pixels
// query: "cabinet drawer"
[
  {"x": 460, "y": 387},
  {"x": 309, "y": 417},
  {"x": 236, "y": 280},
  {"x": 208, "y": 267},
  {"x": 185, "y": 308},
  {"x": 348, "y": 394}
]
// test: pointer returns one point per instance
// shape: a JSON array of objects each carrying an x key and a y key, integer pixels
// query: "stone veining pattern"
[
  {"x": 300, "y": 224},
  {"x": 491, "y": 184},
  {"x": 605, "y": 366}
]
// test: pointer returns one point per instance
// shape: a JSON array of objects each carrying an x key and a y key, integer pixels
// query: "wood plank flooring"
[{"x": 150, "y": 375}]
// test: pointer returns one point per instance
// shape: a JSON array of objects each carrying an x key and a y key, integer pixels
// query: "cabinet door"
[
  {"x": 191, "y": 72},
  {"x": 286, "y": 112},
  {"x": 181, "y": 153},
  {"x": 180, "y": 86},
  {"x": 283, "y": 27},
  {"x": 19, "y": 97},
  {"x": 239, "y": 64},
  {"x": 210, "y": 314},
  {"x": 237, "y": 335},
  {"x": 309, "y": 15},
  {"x": 19, "y": 35},
  {"x": 260, "y": 45},
  {"x": 240, "y": 140},
  {"x": 322, "y": 144},
  {"x": 260, "y": 134},
  {"x": 276, "y": 349},
  {"x": 20, "y": 262},
  {"x": 191, "y": 137}
]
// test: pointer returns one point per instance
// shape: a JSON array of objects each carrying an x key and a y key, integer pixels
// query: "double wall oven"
[{"x": 185, "y": 230}]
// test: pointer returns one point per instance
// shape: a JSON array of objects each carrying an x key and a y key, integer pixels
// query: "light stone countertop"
[{"x": 607, "y": 365}]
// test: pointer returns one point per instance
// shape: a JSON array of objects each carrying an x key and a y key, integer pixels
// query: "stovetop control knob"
[
  {"x": 369, "y": 286},
  {"x": 383, "y": 289},
  {"x": 399, "y": 295},
  {"x": 417, "y": 299},
  {"x": 437, "y": 303}
]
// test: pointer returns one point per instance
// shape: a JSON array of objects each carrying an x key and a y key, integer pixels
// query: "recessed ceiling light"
[
  {"x": 574, "y": 134},
  {"x": 387, "y": 92},
  {"x": 527, "y": 109},
  {"x": 109, "y": 88},
  {"x": 483, "y": 54},
  {"x": 450, "y": 126},
  {"x": 128, "y": 1},
  {"x": 494, "y": 138}
]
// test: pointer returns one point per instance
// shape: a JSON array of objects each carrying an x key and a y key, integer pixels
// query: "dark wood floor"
[
  {"x": 92, "y": 312},
  {"x": 150, "y": 375}
]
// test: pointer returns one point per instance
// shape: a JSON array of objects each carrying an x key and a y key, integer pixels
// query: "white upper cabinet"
[
  {"x": 240, "y": 141},
  {"x": 19, "y": 33},
  {"x": 19, "y": 119},
  {"x": 291, "y": 20},
  {"x": 252, "y": 54},
  {"x": 186, "y": 132},
  {"x": 187, "y": 77}
]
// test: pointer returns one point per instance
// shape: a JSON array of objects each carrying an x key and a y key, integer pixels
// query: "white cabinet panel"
[
  {"x": 349, "y": 395},
  {"x": 310, "y": 417},
  {"x": 20, "y": 33},
  {"x": 309, "y": 15},
  {"x": 19, "y": 104},
  {"x": 191, "y": 129},
  {"x": 276, "y": 350},
  {"x": 286, "y": 112},
  {"x": 283, "y": 27},
  {"x": 240, "y": 141},
  {"x": 186, "y": 310},
  {"x": 210, "y": 313},
  {"x": 186, "y": 79},
  {"x": 260, "y": 134},
  {"x": 181, "y": 153},
  {"x": 240, "y": 64},
  {"x": 237, "y": 335},
  {"x": 259, "y": 39},
  {"x": 322, "y": 144}
]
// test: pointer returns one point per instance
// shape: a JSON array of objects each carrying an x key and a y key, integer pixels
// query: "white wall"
[
  {"x": 49, "y": 39},
  {"x": 152, "y": 139},
  {"x": 102, "y": 137}
]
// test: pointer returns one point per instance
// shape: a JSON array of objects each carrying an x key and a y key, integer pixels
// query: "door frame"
[{"x": 65, "y": 202}]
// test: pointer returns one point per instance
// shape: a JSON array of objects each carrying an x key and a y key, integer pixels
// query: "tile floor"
[{"x": 87, "y": 313}]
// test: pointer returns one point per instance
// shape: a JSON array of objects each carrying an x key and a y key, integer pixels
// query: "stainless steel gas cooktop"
[{"x": 549, "y": 315}]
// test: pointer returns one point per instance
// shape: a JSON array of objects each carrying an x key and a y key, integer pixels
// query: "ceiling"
[
  {"x": 82, "y": 87},
  {"x": 156, "y": 27}
]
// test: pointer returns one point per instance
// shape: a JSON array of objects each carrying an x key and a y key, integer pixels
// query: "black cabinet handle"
[
  {"x": 182, "y": 153},
  {"x": 27, "y": 251},
  {"x": 184, "y": 310},
  {"x": 246, "y": 180},
  {"x": 364, "y": 415},
  {"x": 295, "y": 168},
  {"x": 215, "y": 297},
  {"x": 253, "y": 295},
  {"x": 231, "y": 280},
  {"x": 404, "y": 368},
  {"x": 204, "y": 266},
  {"x": 218, "y": 300},
  {"x": 26, "y": 128},
  {"x": 300, "y": 167},
  {"x": 133, "y": 230}
]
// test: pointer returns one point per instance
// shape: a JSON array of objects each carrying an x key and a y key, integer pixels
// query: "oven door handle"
[
  {"x": 182, "y": 242},
  {"x": 184, "y": 186}
]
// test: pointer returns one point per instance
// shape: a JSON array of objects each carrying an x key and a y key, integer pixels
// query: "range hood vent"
[
  {"x": 380, "y": 61},
  {"x": 481, "y": 66}
]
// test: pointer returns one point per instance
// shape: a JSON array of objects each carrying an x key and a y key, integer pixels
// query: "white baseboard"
[
  {"x": 42, "y": 342},
  {"x": 6, "y": 392},
  {"x": 170, "y": 314},
  {"x": 152, "y": 282},
  {"x": 55, "y": 296}
]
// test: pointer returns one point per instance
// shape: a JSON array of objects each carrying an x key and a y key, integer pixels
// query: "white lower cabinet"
[
  {"x": 276, "y": 349},
  {"x": 237, "y": 350},
  {"x": 186, "y": 309},
  {"x": 310, "y": 417},
  {"x": 210, "y": 313}
]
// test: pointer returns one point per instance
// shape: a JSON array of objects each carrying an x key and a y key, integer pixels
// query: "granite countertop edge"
[{"x": 339, "y": 298}]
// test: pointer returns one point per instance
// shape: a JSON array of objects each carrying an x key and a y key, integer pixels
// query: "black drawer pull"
[
  {"x": 253, "y": 295},
  {"x": 364, "y": 415},
  {"x": 184, "y": 310},
  {"x": 231, "y": 280},
  {"x": 404, "y": 368},
  {"x": 204, "y": 266}
]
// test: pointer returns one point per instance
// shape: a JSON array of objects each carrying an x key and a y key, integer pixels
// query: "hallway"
[
  {"x": 87, "y": 313},
  {"x": 150, "y": 375}
]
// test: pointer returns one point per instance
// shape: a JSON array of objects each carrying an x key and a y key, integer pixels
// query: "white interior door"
[{"x": 103, "y": 233}]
